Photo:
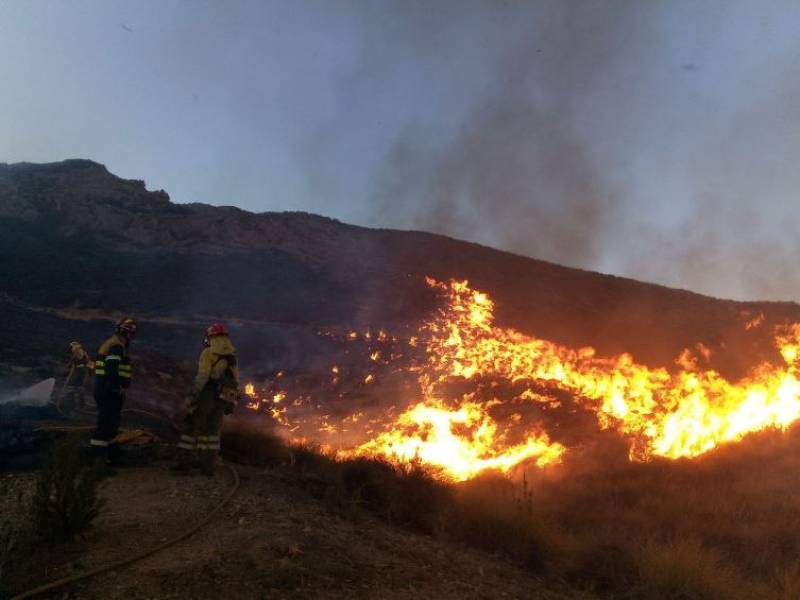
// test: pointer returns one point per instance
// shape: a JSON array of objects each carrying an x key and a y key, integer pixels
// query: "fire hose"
[
  {"x": 141, "y": 556},
  {"x": 138, "y": 557}
]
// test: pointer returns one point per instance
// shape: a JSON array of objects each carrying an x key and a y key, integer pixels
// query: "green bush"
[{"x": 65, "y": 501}]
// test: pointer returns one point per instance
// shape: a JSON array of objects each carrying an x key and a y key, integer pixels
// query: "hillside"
[
  {"x": 272, "y": 541},
  {"x": 613, "y": 467},
  {"x": 79, "y": 246}
]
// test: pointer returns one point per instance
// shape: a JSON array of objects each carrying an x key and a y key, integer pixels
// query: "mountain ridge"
[{"x": 75, "y": 236}]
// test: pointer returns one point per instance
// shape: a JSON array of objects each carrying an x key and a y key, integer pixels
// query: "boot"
[{"x": 185, "y": 461}]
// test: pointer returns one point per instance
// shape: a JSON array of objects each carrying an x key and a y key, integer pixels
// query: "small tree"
[{"x": 65, "y": 502}]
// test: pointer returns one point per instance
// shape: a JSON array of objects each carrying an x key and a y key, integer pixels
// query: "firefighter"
[
  {"x": 75, "y": 386},
  {"x": 112, "y": 378},
  {"x": 215, "y": 393}
]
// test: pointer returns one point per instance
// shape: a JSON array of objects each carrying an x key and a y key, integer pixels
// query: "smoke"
[
  {"x": 739, "y": 238},
  {"x": 622, "y": 136},
  {"x": 517, "y": 173},
  {"x": 734, "y": 251},
  {"x": 599, "y": 145}
]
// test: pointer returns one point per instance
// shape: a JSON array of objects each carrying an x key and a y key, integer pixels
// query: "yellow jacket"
[{"x": 217, "y": 364}]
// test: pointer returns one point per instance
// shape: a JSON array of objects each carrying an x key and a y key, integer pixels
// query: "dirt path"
[{"x": 272, "y": 541}]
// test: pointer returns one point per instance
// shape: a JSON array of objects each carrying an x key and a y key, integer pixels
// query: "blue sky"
[{"x": 657, "y": 139}]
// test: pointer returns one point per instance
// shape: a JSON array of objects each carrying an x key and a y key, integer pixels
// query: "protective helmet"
[
  {"x": 126, "y": 327},
  {"x": 73, "y": 345},
  {"x": 216, "y": 329}
]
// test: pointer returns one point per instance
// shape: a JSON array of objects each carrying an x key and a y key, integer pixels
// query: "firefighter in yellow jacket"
[
  {"x": 112, "y": 377},
  {"x": 215, "y": 393},
  {"x": 75, "y": 387}
]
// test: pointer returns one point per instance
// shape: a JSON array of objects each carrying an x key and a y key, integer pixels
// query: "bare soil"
[{"x": 272, "y": 540}]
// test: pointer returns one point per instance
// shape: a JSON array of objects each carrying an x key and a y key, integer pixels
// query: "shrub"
[
  {"x": 406, "y": 494},
  {"x": 685, "y": 569},
  {"x": 65, "y": 501},
  {"x": 419, "y": 500},
  {"x": 308, "y": 458},
  {"x": 491, "y": 516},
  {"x": 250, "y": 444}
]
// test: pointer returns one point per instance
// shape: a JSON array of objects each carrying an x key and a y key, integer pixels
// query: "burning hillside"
[
  {"x": 475, "y": 382},
  {"x": 455, "y": 383}
]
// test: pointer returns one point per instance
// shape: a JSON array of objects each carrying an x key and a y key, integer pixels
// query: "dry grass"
[
  {"x": 252, "y": 444},
  {"x": 726, "y": 526},
  {"x": 686, "y": 569}
]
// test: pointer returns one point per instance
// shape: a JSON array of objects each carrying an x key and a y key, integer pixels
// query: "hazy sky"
[{"x": 654, "y": 139}]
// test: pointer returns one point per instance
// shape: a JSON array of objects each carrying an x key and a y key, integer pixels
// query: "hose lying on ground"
[{"x": 127, "y": 561}]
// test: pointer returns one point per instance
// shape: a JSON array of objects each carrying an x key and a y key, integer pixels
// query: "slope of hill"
[
  {"x": 272, "y": 541},
  {"x": 79, "y": 246}
]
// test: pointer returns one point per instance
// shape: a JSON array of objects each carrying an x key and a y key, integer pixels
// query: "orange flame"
[
  {"x": 671, "y": 415},
  {"x": 462, "y": 442}
]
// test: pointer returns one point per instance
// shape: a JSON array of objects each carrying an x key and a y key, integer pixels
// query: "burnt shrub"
[{"x": 65, "y": 501}]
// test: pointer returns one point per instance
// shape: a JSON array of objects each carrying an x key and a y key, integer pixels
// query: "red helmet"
[
  {"x": 216, "y": 329},
  {"x": 127, "y": 327}
]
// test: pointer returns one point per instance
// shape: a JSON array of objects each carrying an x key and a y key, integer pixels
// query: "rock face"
[{"x": 80, "y": 246}]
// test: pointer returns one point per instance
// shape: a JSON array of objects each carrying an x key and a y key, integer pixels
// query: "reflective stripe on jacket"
[{"x": 112, "y": 369}]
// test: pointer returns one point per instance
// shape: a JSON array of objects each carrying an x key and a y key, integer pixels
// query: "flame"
[
  {"x": 462, "y": 442},
  {"x": 250, "y": 390},
  {"x": 672, "y": 415},
  {"x": 682, "y": 412}
]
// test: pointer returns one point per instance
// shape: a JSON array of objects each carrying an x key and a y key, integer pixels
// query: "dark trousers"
[{"x": 109, "y": 415}]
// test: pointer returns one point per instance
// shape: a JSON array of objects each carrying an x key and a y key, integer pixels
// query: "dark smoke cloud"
[{"x": 514, "y": 176}]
